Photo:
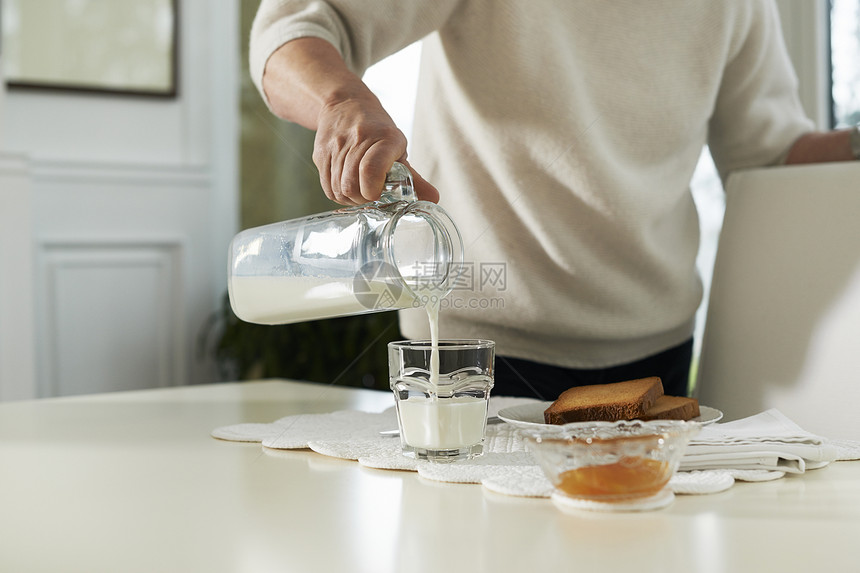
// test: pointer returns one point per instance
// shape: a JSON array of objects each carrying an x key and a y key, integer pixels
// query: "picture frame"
[{"x": 118, "y": 47}]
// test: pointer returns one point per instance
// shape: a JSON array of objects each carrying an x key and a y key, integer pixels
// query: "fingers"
[
  {"x": 352, "y": 174},
  {"x": 361, "y": 178},
  {"x": 357, "y": 175},
  {"x": 327, "y": 158}
]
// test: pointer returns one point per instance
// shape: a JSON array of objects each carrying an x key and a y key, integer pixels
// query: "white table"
[{"x": 132, "y": 482}]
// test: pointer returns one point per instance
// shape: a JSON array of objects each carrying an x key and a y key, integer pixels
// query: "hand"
[
  {"x": 356, "y": 144},
  {"x": 306, "y": 81}
]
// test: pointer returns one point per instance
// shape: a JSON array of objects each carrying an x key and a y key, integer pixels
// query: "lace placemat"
[{"x": 506, "y": 466}]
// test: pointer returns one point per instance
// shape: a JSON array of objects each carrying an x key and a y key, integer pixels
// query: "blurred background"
[{"x": 133, "y": 147}]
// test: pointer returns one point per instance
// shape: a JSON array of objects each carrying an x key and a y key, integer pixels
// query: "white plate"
[{"x": 530, "y": 416}]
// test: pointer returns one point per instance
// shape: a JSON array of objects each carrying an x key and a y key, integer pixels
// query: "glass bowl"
[{"x": 611, "y": 466}]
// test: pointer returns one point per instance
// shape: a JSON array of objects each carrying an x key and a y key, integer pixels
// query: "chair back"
[{"x": 783, "y": 321}]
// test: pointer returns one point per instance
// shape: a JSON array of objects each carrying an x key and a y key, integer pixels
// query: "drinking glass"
[{"x": 441, "y": 392}]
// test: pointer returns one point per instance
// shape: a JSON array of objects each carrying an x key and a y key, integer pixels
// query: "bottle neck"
[{"x": 398, "y": 185}]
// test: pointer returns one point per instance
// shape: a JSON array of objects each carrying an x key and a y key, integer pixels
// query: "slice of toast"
[
  {"x": 605, "y": 402},
  {"x": 672, "y": 408}
]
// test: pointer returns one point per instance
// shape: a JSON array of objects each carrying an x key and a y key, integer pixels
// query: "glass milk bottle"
[{"x": 397, "y": 252}]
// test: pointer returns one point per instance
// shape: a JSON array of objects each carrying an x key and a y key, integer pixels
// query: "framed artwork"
[{"x": 105, "y": 46}]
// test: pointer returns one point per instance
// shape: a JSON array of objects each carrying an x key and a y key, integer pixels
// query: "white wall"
[
  {"x": 17, "y": 326},
  {"x": 133, "y": 203}
]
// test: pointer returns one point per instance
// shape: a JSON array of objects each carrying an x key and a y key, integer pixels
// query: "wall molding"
[
  {"x": 112, "y": 173},
  {"x": 14, "y": 164},
  {"x": 160, "y": 261}
]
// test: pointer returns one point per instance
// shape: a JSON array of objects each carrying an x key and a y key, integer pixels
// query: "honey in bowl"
[{"x": 629, "y": 477}]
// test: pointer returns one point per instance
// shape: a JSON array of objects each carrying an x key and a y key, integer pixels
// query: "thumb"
[{"x": 423, "y": 189}]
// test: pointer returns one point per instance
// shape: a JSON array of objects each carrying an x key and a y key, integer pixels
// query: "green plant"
[{"x": 348, "y": 351}]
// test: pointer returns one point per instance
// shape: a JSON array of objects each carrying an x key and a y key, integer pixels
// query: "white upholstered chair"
[{"x": 783, "y": 323}]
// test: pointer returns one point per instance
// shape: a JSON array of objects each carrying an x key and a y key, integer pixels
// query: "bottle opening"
[{"x": 426, "y": 249}]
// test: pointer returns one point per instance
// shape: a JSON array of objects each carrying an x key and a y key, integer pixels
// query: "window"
[
  {"x": 394, "y": 80},
  {"x": 844, "y": 58}
]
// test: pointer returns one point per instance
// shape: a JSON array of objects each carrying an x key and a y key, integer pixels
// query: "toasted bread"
[
  {"x": 605, "y": 402},
  {"x": 673, "y": 408}
]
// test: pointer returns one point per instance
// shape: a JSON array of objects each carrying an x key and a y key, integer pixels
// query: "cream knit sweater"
[{"x": 563, "y": 137}]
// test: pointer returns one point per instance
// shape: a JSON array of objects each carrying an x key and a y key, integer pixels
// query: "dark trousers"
[{"x": 517, "y": 377}]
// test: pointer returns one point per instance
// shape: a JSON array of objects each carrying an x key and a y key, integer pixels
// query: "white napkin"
[{"x": 766, "y": 441}]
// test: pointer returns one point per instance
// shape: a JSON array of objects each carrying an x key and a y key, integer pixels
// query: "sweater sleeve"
[
  {"x": 363, "y": 32},
  {"x": 758, "y": 114}
]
